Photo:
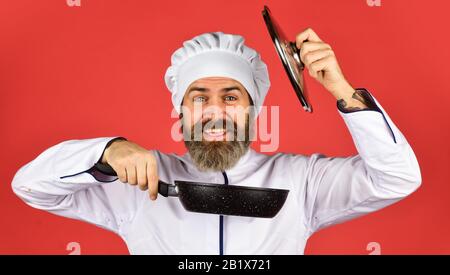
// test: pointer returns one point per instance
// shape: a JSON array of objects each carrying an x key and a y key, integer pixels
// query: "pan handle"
[
  {"x": 296, "y": 55},
  {"x": 165, "y": 189}
]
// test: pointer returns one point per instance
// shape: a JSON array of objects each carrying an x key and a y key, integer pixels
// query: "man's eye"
[
  {"x": 230, "y": 98},
  {"x": 199, "y": 99}
]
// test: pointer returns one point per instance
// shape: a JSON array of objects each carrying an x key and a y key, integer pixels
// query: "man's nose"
[
  {"x": 213, "y": 113},
  {"x": 215, "y": 109}
]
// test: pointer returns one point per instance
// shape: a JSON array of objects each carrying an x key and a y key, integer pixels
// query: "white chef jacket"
[{"x": 323, "y": 191}]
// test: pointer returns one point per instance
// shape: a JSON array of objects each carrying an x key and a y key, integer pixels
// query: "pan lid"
[{"x": 290, "y": 57}]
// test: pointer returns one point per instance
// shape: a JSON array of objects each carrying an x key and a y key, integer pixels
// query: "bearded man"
[{"x": 218, "y": 86}]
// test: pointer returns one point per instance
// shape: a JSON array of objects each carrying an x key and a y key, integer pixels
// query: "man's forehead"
[{"x": 219, "y": 81}]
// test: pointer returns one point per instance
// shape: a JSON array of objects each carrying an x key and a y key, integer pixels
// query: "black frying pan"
[
  {"x": 290, "y": 57},
  {"x": 220, "y": 199}
]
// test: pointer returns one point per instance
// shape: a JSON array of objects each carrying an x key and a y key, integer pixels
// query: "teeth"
[{"x": 215, "y": 131}]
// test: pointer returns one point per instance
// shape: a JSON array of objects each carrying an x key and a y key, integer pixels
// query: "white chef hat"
[{"x": 217, "y": 55}]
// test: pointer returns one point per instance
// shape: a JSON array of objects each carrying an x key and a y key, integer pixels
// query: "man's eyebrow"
[
  {"x": 232, "y": 88},
  {"x": 226, "y": 89},
  {"x": 199, "y": 89}
]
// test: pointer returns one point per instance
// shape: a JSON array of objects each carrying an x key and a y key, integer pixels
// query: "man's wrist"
[
  {"x": 342, "y": 90},
  {"x": 360, "y": 95},
  {"x": 104, "y": 157},
  {"x": 355, "y": 103},
  {"x": 348, "y": 98}
]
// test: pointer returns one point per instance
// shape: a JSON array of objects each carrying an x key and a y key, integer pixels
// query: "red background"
[{"x": 97, "y": 70}]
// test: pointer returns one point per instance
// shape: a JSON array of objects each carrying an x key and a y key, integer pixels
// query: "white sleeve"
[
  {"x": 385, "y": 171},
  {"x": 61, "y": 180}
]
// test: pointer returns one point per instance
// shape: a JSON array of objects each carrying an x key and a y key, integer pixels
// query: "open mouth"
[{"x": 216, "y": 134}]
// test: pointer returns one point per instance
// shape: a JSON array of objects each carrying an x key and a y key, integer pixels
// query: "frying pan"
[
  {"x": 290, "y": 57},
  {"x": 220, "y": 199}
]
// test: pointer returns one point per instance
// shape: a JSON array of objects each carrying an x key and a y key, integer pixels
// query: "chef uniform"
[{"x": 323, "y": 190}]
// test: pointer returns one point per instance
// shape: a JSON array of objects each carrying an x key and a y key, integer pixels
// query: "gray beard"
[{"x": 218, "y": 155}]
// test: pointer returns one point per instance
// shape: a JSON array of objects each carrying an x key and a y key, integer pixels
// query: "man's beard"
[{"x": 217, "y": 155}]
